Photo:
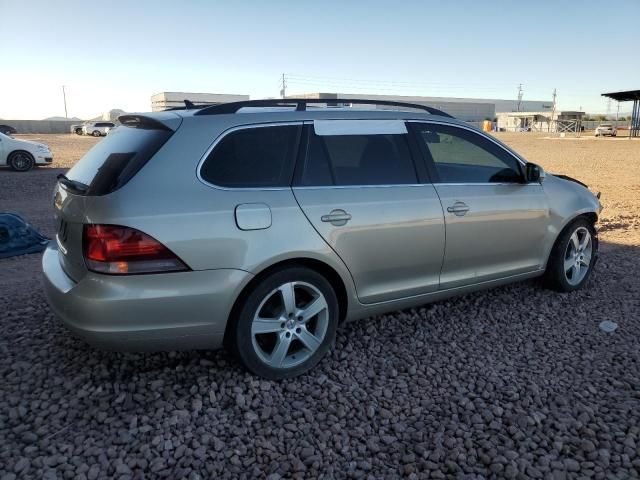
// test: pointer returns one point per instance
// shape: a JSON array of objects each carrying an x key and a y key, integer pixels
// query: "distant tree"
[
  {"x": 622, "y": 119},
  {"x": 601, "y": 118}
]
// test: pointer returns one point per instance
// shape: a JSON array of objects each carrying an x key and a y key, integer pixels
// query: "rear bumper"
[{"x": 171, "y": 311}]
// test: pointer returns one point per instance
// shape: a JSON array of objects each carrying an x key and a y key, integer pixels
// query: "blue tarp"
[{"x": 17, "y": 237}]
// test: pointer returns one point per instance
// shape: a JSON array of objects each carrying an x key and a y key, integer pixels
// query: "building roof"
[{"x": 628, "y": 96}]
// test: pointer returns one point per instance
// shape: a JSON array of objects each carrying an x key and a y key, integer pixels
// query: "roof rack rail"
[
  {"x": 189, "y": 105},
  {"x": 301, "y": 105}
]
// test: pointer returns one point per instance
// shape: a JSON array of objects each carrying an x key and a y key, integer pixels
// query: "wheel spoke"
[
  {"x": 266, "y": 325},
  {"x": 586, "y": 260},
  {"x": 575, "y": 241},
  {"x": 576, "y": 272},
  {"x": 314, "y": 308},
  {"x": 280, "y": 350},
  {"x": 585, "y": 241},
  {"x": 288, "y": 297},
  {"x": 309, "y": 339},
  {"x": 569, "y": 263}
]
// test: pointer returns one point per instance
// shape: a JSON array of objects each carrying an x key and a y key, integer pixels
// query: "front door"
[
  {"x": 359, "y": 187},
  {"x": 495, "y": 222}
]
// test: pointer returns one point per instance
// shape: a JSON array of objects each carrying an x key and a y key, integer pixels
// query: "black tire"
[
  {"x": 555, "y": 276},
  {"x": 96, "y": 133},
  {"x": 78, "y": 131},
  {"x": 242, "y": 341},
  {"x": 21, "y": 161}
]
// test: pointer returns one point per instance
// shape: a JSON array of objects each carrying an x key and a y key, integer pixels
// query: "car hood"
[
  {"x": 571, "y": 179},
  {"x": 29, "y": 142}
]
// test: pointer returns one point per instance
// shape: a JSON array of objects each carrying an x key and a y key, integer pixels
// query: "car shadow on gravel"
[{"x": 513, "y": 381}]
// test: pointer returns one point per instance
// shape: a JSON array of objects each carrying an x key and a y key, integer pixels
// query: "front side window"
[
  {"x": 253, "y": 157},
  {"x": 371, "y": 159},
  {"x": 462, "y": 156}
]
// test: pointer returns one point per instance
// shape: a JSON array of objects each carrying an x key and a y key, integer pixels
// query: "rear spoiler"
[{"x": 154, "y": 121}]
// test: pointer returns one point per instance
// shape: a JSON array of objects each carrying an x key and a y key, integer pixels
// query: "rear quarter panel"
[{"x": 197, "y": 221}]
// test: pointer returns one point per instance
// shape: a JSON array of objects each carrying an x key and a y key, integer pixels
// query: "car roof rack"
[
  {"x": 301, "y": 105},
  {"x": 189, "y": 105}
]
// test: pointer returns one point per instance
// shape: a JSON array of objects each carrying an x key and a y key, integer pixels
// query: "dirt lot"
[
  {"x": 608, "y": 165},
  {"x": 515, "y": 382}
]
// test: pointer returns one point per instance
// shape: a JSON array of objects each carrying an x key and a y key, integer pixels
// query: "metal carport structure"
[{"x": 629, "y": 96}]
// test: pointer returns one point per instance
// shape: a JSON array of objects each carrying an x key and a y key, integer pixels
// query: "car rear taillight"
[{"x": 120, "y": 250}]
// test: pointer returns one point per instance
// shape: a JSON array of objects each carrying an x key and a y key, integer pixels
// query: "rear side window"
[
  {"x": 376, "y": 159},
  {"x": 462, "y": 156},
  {"x": 114, "y": 161},
  {"x": 253, "y": 157}
]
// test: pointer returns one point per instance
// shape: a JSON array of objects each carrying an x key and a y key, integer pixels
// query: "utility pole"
[
  {"x": 553, "y": 109},
  {"x": 608, "y": 107},
  {"x": 283, "y": 90},
  {"x": 64, "y": 98},
  {"x": 617, "y": 114},
  {"x": 520, "y": 92}
]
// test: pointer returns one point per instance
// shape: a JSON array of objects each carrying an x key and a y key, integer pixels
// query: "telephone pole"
[
  {"x": 64, "y": 99},
  {"x": 283, "y": 90},
  {"x": 553, "y": 110},
  {"x": 520, "y": 92}
]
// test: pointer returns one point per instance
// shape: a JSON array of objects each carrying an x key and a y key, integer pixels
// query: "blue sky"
[{"x": 116, "y": 54}]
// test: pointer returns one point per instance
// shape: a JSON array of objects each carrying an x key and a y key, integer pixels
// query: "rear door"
[
  {"x": 359, "y": 186},
  {"x": 495, "y": 222}
]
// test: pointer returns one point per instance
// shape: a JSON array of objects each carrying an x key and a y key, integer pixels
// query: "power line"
[{"x": 327, "y": 80}]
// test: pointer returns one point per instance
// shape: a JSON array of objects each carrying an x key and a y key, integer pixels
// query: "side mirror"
[{"x": 534, "y": 173}]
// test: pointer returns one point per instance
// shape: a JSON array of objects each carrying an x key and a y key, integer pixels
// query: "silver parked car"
[{"x": 262, "y": 225}]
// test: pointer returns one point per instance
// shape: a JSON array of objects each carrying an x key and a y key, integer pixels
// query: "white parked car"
[
  {"x": 97, "y": 129},
  {"x": 606, "y": 129},
  {"x": 22, "y": 155},
  {"x": 76, "y": 128}
]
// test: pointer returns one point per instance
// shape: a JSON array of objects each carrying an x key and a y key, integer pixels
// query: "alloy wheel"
[
  {"x": 21, "y": 162},
  {"x": 290, "y": 324},
  {"x": 577, "y": 257}
]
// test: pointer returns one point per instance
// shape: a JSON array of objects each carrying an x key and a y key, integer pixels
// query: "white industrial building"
[
  {"x": 467, "y": 109},
  {"x": 166, "y": 100}
]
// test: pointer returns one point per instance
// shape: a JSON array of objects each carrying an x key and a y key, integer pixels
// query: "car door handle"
[
  {"x": 458, "y": 208},
  {"x": 336, "y": 217}
]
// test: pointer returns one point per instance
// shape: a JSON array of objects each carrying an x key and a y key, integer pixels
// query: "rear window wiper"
[{"x": 72, "y": 184}]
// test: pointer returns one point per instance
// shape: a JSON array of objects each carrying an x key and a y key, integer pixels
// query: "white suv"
[
  {"x": 606, "y": 129},
  {"x": 97, "y": 129},
  {"x": 22, "y": 155}
]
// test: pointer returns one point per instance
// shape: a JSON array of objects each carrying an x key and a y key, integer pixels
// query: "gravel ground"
[{"x": 515, "y": 382}]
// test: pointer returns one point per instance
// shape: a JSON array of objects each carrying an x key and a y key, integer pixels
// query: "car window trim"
[
  {"x": 248, "y": 126},
  {"x": 430, "y": 163}
]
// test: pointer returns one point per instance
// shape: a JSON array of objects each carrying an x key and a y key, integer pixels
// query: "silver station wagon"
[{"x": 262, "y": 225}]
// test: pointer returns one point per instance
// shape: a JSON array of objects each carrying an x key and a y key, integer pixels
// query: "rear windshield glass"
[{"x": 112, "y": 162}]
